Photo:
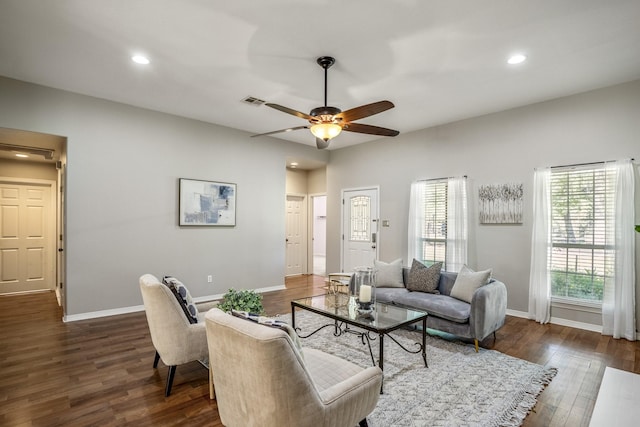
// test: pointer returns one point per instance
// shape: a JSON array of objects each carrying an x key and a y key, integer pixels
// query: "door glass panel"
[{"x": 360, "y": 219}]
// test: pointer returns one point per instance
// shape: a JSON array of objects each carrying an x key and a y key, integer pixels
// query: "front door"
[
  {"x": 360, "y": 228},
  {"x": 27, "y": 228},
  {"x": 295, "y": 228}
]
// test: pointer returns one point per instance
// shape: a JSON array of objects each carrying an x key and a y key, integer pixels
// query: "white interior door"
[
  {"x": 27, "y": 228},
  {"x": 359, "y": 228},
  {"x": 295, "y": 240}
]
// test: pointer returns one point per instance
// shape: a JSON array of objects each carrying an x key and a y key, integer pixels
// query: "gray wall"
[
  {"x": 497, "y": 148},
  {"x": 124, "y": 164},
  {"x": 122, "y": 188}
]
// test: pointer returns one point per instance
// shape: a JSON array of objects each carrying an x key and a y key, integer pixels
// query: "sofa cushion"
[
  {"x": 423, "y": 278},
  {"x": 447, "y": 280},
  {"x": 468, "y": 281},
  {"x": 183, "y": 296},
  {"x": 389, "y": 274},
  {"x": 388, "y": 295},
  {"x": 436, "y": 305}
]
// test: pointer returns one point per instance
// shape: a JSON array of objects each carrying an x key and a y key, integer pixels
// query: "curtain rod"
[
  {"x": 585, "y": 164},
  {"x": 439, "y": 179}
]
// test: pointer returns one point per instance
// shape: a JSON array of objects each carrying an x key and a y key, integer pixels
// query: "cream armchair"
[
  {"x": 263, "y": 379},
  {"x": 175, "y": 339}
]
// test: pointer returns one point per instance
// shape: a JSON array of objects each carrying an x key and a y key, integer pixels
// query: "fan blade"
[
  {"x": 371, "y": 130},
  {"x": 364, "y": 111},
  {"x": 289, "y": 111},
  {"x": 322, "y": 144},
  {"x": 281, "y": 130}
]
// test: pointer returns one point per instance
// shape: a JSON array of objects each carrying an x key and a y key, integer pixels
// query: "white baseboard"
[
  {"x": 560, "y": 321},
  {"x": 578, "y": 325},
  {"x": 137, "y": 308},
  {"x": 516, "y": 313},
  {"x": 102, "y": 313}
]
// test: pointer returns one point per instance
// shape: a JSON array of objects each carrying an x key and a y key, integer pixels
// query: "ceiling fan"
[{"x": 327, "y": 122}]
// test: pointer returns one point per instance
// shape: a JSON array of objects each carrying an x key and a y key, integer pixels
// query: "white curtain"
[
  {"x": 539, "y": 277},
  {"x": 457, "y": 220},
  {"x": 416, "y": 221},
  {"x": 618, "y": 304}
]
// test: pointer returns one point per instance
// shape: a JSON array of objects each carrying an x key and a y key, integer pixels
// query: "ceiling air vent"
[{"x": 253, "y": 101}]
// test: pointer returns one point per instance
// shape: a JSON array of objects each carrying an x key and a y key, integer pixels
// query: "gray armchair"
[
  {"x": 175, "y": 339},
  {"x": 263, "y": 379}
]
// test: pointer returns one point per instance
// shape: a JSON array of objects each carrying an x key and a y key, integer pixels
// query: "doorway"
[
  {"x": 319, "y": 233},
  {"x": 360, "y": 213},
  {"x": 32, "y": 225}
]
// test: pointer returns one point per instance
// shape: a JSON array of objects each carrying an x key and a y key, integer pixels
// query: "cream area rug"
[{"x": 459, "y": 388}]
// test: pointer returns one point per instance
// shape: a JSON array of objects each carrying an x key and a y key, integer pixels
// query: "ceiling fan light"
[{"x": 326, "y": 131}]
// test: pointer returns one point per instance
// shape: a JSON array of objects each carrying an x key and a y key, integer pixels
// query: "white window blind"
[
  {"x": 581, "y": 209},
  {"x": 434, "y": 230}
]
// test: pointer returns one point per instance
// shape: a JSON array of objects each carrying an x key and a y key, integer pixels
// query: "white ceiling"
[{"x": 438, "y": 61}]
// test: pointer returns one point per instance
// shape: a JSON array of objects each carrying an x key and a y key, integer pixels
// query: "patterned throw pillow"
[
  {"x": 183, "y": 296},
  {"x": 423, "y": 278}
]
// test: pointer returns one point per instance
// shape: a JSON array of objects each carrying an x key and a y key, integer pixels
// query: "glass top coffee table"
[{"x": 384, "y": 319}]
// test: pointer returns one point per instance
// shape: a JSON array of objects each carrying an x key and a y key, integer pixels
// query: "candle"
[{"x": 365, "y": 293}]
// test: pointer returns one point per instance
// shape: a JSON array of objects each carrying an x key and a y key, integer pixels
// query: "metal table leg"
[
  {"x": 424, "y": 341},
  {"x": 381, "y": 362},
  {"x": 293, "y": 317}
]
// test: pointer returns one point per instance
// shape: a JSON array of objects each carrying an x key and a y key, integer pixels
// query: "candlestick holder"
[{"x": 364, "y": 289}]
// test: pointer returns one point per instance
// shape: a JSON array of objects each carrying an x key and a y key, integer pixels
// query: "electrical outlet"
[{"x": 209, "y": 279}]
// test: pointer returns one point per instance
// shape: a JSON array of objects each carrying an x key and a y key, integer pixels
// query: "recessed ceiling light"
[
  {"x": 517, "y": 59},
  {"x": 294, "y": 163},
  {"x": 21, "y": 155},
  {"x": 139, "y": 59}
]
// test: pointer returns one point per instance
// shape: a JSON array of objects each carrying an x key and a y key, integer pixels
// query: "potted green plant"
[{"x": 242, "y": 300}]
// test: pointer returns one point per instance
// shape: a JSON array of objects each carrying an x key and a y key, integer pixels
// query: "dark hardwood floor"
[{"x": 99, "y": 372}]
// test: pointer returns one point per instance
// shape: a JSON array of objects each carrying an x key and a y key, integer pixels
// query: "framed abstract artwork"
[{"x": 207, "y": 203}]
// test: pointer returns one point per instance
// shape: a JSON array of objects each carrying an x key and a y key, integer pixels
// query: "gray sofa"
[{"x": 476, "y": 321}]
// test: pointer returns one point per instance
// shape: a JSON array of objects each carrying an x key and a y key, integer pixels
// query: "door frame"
[
  {"x": 61, "y": 234},
  {"x": 52, "y": 222},
  {"x": 375, "y": 188}
]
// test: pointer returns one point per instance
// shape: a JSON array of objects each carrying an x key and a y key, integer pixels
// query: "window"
[
  {"x": 438, "y": 222},
  {"x": 581, "y": 211},
  {"x": 360, "y": 219},
  {"x": 432, "y": 237}
]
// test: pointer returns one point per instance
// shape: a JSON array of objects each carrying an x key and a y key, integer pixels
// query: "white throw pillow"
[
  {"x": 468, "y": 281},
  {"x": 389, "y": 275}
]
